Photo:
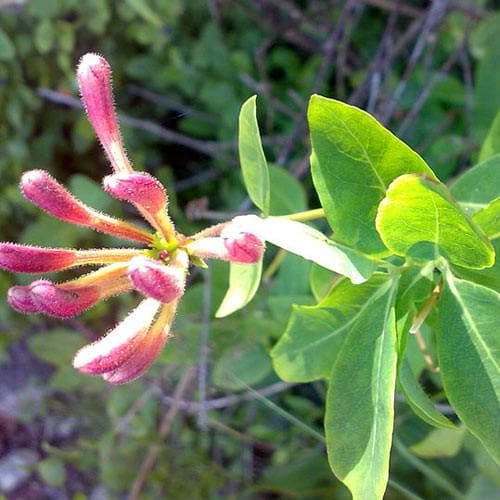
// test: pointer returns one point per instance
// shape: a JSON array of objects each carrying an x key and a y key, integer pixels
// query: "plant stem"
[{"x": 317, "y": 213}]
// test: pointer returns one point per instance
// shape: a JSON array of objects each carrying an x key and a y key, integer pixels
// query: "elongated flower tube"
[
  {"x": 45, "y": 192},
  {"x": 116, "y": 347},
  {"x": 147, "y": 193},
  {"x": 32, "y": 259},
  {"x": 152, "y": 344},
  {"x": 158, "y": 270},
  {"x": 94, "y": 80},
  {"x": 153, "y": 278},
  {"x": 71, "y": 298}
]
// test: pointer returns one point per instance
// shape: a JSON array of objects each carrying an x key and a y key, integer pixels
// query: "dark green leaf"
[
  {"x": 314, "y": 335},
  {"x": 418, "y": 399},
  {"x": 491, "y": 145},
  {"x": 287, "y": 193},
  {"x": 468, "y": 349},
  {"x": 241, "y": 367},
  {"x": 478, "y": 186}
]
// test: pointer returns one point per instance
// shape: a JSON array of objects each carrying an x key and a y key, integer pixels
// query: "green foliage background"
[{"x": 181, "y": 72}]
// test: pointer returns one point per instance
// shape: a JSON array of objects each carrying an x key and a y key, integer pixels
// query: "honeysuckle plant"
[{"x": 405, "y": 258}]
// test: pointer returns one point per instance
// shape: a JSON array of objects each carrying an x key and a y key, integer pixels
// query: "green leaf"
[
  {"x": 311, "y": 244},
  {"x": 52, "y": 471},
  {"x": 440, "y": 443},
  {"x": 90, "y": 192},
  {"x": 314, "y": 335},
  {"x": 244, "y": 280},
  {"x": 253, "y": 162},
  {"x": 360, "y": 400},
  {"x": 468, "y": 350},
  {"x": 241, "y": 367},
  {"x": 7, "y": 49},
  {"x": 487, "y": 277},
  {"x": 419, "y": 219},
  {"x": 57, "y": 347},
  {"x": 415, "y": 286},
  {"x": 141, "y": 8},
  {"x": 488, "y": 219},
  {"x": 486, "y": 102},
  {"x": 418, "y": 399},
  {"x": 354, "y": 158},
  {"x": 491, "y": 145},
  {"x": 287, "y": 193},
  {"x": 478, "y": 186},
  {"x": 321, "y": 281}
]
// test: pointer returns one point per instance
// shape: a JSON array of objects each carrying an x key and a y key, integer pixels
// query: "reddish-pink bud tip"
[
  {"x": 56, "y": 300},
  {"x": 140, "y": 188},
  {"x": 31, "y": 259},
  {"x": 157, "y": 280},
  {"x": 45, "y": 192},
  {"x": 20, "y": 299},
  {"x": 94, "y": 79},
  {"x": 244, "y": 248}
]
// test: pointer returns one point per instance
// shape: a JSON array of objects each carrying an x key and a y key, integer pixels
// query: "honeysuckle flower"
[{"x": 158, "y": 270}]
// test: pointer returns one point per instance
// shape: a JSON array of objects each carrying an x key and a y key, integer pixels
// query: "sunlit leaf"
[
  {"x": 244, "y": 280},
  {"x": 354, "y": 158},
  {"x": 253, "y": 162},
  {"x": 360, "y": 401},
  {"x": 419, "y": 219},
  {"x": 440, "y": 443}
]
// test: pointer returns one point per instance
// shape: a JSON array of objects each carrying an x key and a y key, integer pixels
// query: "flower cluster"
[{"x": 158, "y": 270}]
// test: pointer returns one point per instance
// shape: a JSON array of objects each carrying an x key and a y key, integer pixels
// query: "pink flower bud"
[
  {"x": 57, "y": 301},
  {"x": 157, "y": 280},
  {"x": 244, "y": 248},
  {"x": 140, "y": 188},
  {"x": 20, "y": 299},
  {"x": 45, "y": 192},
  {"x": 32, "y": 259},
  {"x": 94, "y": 79},
  {"x": 110, "y": 352},
  {"x": 149, "y": 349}
]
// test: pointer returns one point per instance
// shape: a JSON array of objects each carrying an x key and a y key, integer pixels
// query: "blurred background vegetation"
[{"x": 428, "y": 70}]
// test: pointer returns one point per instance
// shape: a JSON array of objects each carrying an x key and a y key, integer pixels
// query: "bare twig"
[
  {"x": 165, "y": 426},
  {"x": 427, "y": 89},
  {"x": 209, "y": 148},
  {"x": 433, "y": 18},
  {"x": 233, "y": 400},
  {"x": 169, "y": 103},
  {"x": 395, "y": 6},
  {"x": 204, "y": 349}
]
